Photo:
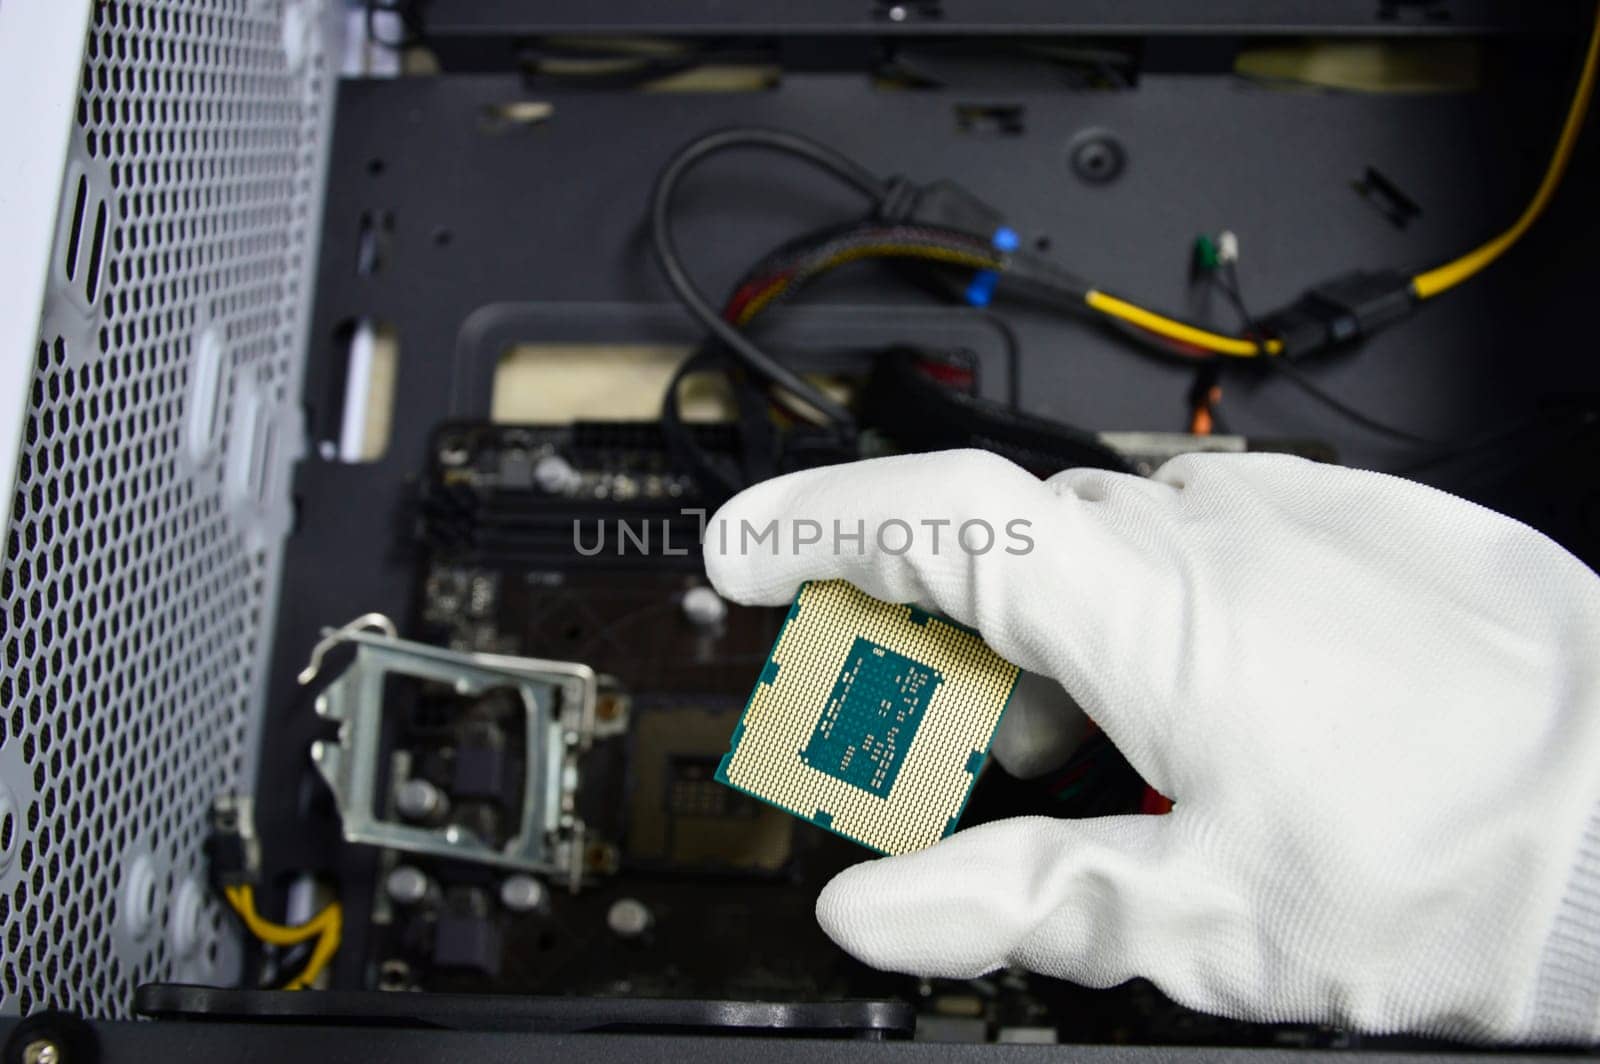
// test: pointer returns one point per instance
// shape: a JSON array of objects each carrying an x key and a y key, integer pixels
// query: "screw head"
[
  {"x": 394, "y": 974},
  {"x": 1097, "y": 157},
  {"x": 41, "y": 1051}
]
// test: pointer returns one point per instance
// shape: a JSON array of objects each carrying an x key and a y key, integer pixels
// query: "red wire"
[
  {"x": 748, "y": 291},
  {"x": 947, "y": 374},
  {"x": 1179, "y": 347},
  {"x": 1154, "y": 803}
]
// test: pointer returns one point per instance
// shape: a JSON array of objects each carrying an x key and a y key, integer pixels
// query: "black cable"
[
  {"x": 716, "y": 476},
  {"x": 1295, "y": 375},
  {"x": 820, "y": 156},
  {"x": 793, "y": 254},
  {"x": 1443, "y": 451},
  {"x": 1039, "y": 280},
  {"x": 288, "y": 964}
]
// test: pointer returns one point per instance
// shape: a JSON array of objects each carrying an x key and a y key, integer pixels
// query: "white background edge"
[{"x": 41, "y": 61}]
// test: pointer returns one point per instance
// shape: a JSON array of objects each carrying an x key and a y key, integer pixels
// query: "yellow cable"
[
  {"x": 1173, "y": 329},
  {"x": 326, "y": 927},
  {"x": 1099, "y": 301},
  {"x": 243, "y": 901},
  {"x": 322, "y": 953},
  {"x": 1442, "y": 278},
  {"x": 1424, "y": 285}
]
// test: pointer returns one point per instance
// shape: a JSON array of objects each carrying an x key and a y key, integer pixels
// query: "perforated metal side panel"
[{"x": 151, "y": 497}]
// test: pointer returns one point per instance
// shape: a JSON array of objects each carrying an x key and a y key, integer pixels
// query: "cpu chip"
[{"x": 870, "y": 719}]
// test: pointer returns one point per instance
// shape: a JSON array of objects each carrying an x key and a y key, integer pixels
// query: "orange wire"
[{"x": 1203, "y": 422}]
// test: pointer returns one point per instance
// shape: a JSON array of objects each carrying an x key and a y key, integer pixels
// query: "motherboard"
[{"x": 579, "y": 544}]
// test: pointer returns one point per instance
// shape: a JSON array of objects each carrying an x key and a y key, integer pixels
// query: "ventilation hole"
[
  {"x": 266, "y": 450},
  {"x": 514, "y": 114},
  {"x": 372, "y": 242},
  {"x": 97, "y": 248},
  {"x": 1387, "y": 198},
  {"x": 990, "y": 120},
  {"x": 75, "y": 231},
  {"x": 362, "y": 404}
]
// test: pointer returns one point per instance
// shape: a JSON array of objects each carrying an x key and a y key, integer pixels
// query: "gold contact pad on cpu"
[{"x": 870, "y": 719}]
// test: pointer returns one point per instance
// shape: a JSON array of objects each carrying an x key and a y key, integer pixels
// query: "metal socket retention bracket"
[{"x": 559, "y": 697}]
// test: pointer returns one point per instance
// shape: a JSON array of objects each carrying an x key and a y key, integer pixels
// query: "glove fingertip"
[
  {"x": 853, "y": 912},
  {"x": 737, "y": 574},
  {"x": 915, "y": 914},
  {"x": 736, "y": 580}
]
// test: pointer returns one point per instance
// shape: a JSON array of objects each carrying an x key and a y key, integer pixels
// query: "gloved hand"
[{"x": 1376, "y": 706}]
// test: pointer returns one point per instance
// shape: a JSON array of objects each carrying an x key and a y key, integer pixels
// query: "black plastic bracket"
[{"x": 871, "y": 1020}]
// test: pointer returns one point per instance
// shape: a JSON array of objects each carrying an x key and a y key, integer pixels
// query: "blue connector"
[{"x": 981, "y": 290}]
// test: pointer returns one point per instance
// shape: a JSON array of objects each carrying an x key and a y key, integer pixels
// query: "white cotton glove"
[{"x": 1376, "y": 706}]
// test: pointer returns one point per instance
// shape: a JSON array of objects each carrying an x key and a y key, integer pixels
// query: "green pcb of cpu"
[{"x": 870, "y": 719}]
